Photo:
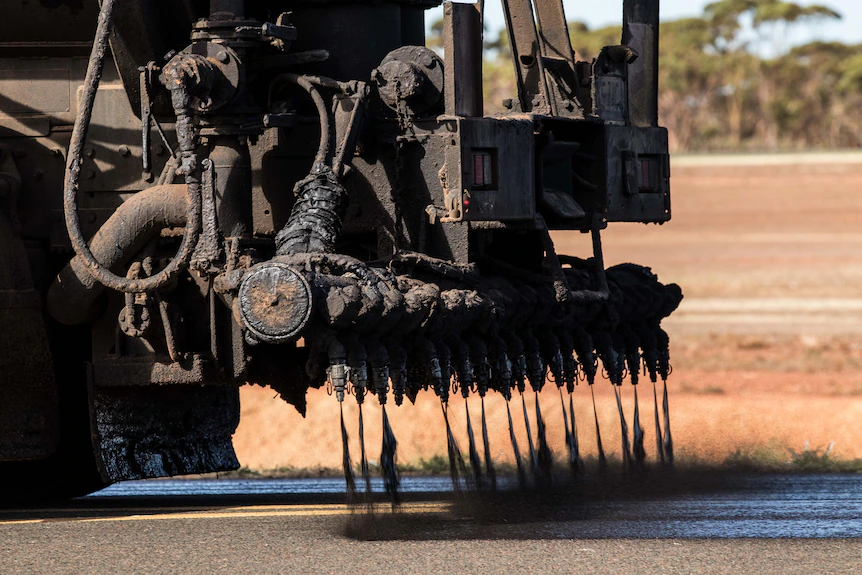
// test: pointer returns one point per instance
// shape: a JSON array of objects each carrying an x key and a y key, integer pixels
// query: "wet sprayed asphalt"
[{"x": 695, "y": 523}]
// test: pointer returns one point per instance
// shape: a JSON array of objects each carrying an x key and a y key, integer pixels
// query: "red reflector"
[
  {"x": 645, "y": 174},
  {"x": 478, "y": 170}
]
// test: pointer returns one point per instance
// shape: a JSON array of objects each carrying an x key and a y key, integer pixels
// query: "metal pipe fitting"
[{"x": 137, "y": 221}]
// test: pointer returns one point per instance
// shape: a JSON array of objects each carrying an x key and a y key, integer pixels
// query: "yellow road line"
[{"x": 245, "y": 512}]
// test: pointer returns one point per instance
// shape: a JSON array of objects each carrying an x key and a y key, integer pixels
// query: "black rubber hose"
[
  {"x": 73, "y": 170},
  {"x": 322, "y": 111}
]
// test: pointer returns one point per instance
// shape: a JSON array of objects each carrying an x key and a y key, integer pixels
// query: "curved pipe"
[
  {"x": 305, "y": 83},
  {"x": 185, "y": 132},
  {"x": 136, "y": 221}
]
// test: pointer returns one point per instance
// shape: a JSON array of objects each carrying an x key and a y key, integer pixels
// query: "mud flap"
[{"x": 163, "y": 430}]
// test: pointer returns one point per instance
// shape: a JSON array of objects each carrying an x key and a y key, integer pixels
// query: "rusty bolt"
[
  {"x": 38, "y": 175},
  {"x": 160, "y": 150},
  {"x": 134, "y": 320},
  {"x": 89, "y": 152},
  {"x": 223, "y": 57},
  {"x": 125, "y": 151},
  {"x": 90, "y": 173}
]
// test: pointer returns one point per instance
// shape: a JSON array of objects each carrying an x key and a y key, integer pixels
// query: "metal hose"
[{"x": 70, "y": 194}]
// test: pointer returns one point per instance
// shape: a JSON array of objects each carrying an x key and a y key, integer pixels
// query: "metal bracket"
[
  {"x": 529, "y": 69},
  {"x": 558, "y": 59}
]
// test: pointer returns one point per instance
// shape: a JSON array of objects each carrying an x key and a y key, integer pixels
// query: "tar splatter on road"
[
  {"x": 690, "y": 523},
  {"x": 693, "y": 523}
]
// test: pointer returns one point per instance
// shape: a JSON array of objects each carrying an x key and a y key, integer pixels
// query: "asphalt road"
[{"x": 692, "y": 523}]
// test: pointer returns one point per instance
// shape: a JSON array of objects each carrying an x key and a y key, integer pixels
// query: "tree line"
[{"x": 729, "y": 79}]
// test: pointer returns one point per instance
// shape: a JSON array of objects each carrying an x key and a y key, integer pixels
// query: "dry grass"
[
  {"x": 780, "y": 353},
  {"x": 771, "y": 458}
]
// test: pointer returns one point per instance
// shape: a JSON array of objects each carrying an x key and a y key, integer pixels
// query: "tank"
[{"x": 199, "y": 195}]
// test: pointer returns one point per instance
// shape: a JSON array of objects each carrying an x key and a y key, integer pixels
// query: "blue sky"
[{"x": 604, "y": 12}]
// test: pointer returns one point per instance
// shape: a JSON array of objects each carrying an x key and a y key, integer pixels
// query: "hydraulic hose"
[
  {"x": 322, "y": 111},
  {"x": 316, "y": 219},
  {"x": 73, "y": 169}
]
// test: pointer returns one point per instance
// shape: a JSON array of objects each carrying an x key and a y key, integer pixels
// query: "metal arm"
[{"x": 641, "y": 33}]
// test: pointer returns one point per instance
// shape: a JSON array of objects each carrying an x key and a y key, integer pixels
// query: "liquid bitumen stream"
[
  {"x": 490, "y": 473},
  {"x": 475, "y": 463},
  {"x": 570, "y": 444},
  {"x": 366, "y": 476},
  {"x": 457, "y": 467},
  {"x": 638, "y": 435},
  {"x": 624, "y": 431},
  {"x": 522, "y": 476},
  {"x": 603, "y": 461},
  {"x": 574, "y": 427},
  {"x": 546, "y": 460},
  {"x": 482, "y": 475},
  {"x": 388, "y": 460},
  {"x": 668, "y": 440},
  {"x": 533, "y": 458},
  {"x": 345, "y": 459},
  {"x": 659, "y": 444}
]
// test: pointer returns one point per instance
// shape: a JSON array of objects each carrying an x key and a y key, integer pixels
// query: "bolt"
[
  {"x": 160, "y": 150},
  {"x": 90, "y": 173},
  {"x": 223, "y": 57},
  {"x": 89, "y": 152},
  {"x": 38, "y": 175},
  {"x": 93, "y": 217},
  {"x": 125, "y": 151}
]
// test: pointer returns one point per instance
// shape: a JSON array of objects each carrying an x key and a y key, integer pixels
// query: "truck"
[{"x": 197, "y": 195}]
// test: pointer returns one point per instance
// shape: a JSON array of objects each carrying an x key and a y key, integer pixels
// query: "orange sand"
[{"x": 706, "y": 423}]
